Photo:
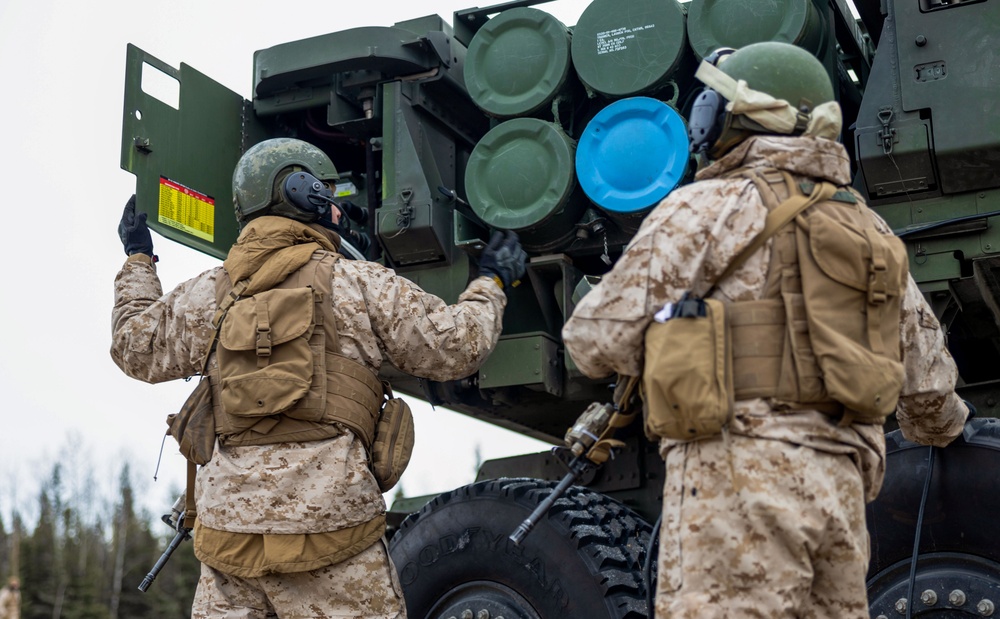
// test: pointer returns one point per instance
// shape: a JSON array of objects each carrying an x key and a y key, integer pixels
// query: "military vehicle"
[{"x": 507, "y": 118}]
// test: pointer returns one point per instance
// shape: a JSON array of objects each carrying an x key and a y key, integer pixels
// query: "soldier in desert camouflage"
[
  {"x": 10, "y": 599},
  {"x": 767, "y": 518},
  {"x": 296, "y": 528}
]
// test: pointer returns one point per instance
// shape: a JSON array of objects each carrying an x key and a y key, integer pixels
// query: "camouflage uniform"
[
  {"x": 347, "y": 589},
  {"x": 306, "y": 489},
  {"x": 10, "y": 600},
  {"x": 768, "y": 519}
]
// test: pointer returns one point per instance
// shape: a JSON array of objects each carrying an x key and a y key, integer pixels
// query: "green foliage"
[{"x": 84, "y": 561}]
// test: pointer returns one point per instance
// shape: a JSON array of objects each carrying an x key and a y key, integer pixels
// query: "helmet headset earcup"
[
  {"x": 705, "y": 120},
  {"x": 708, "y": 113},
  {"x": 306, "y": 193}
]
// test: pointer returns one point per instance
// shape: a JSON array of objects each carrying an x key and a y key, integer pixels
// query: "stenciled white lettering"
[{"x": 614, "y": 40}]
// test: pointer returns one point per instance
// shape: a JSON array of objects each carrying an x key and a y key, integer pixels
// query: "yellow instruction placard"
[{"x": 187, "y": 210}]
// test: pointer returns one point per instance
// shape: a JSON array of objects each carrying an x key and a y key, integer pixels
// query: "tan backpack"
[
  {"x": 853, "y": 280},
  {"x": 282, "y": 377},
  {"x": 266, "y": 358},
  {"x": 824, "y": 337}
]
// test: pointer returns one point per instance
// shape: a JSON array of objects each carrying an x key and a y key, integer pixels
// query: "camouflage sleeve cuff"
[
  {"x": 485, "y": 285},
  {"x": 143, "y": 259}
]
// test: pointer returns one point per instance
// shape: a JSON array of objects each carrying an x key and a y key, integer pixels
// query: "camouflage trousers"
[
  {"x": 761, "y": 528},
  {"x": 364, "y": 586}
]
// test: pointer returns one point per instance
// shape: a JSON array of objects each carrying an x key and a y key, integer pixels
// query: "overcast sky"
[{"x": 61, "y": 397}]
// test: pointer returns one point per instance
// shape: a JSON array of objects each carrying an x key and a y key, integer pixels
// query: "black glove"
[
  {"x": 134, "y": 232},
  {"x": 354, "y": 212},
  {"x": 360, "y": 240},
  {"x": 503, "y": 259},
  {"x": 972, "y": 410}
]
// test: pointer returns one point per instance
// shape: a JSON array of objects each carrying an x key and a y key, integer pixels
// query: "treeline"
[{"x": 83, "y": 557}]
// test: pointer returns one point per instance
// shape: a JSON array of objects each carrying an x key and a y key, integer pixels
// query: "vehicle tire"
[
  {"x": 583, "y": 559},
  {"x": 958, "y": 562}
]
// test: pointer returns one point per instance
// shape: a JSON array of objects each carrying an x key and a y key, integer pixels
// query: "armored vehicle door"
[{"x": 182, "y": 134}]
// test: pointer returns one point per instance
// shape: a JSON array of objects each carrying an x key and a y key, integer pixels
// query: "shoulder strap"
[
  {"x": 322, "y": 284},
  {"x": 220, "y": 313},
  {"x": 227, "y": 301},
  {"x": 778, "y": 218},
  {"x": 190, "y": 510}
]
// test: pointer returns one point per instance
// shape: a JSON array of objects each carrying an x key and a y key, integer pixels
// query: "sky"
[{"x": 61, "y": 396}]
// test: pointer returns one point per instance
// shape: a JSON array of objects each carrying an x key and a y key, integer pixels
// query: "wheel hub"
[
  {"x": 482, "y": 600},
  {"x": 947, "y": 585}
]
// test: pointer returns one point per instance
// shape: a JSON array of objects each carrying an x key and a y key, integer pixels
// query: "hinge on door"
[{"x": 244, "y": 137}]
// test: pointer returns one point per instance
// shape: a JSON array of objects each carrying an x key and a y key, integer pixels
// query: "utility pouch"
[
  {"x": 193, "y": 427},
  {"x": 687, "y": 381},
  {"x": 265, "y": 360},
  {"x": 393, "y": 444}
]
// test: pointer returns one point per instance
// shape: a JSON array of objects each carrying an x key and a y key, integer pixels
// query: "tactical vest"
[
  {"x": 277, "y": 374},
  {"x": 825, "y": 334}
]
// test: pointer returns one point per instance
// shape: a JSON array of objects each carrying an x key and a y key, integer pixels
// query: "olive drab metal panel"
[
  {"x": 928, "y": 145},
  {"x": 183, "y": 151},
  {"x": 958, "y": 83}
]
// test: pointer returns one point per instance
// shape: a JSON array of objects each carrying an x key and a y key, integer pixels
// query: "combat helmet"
[
  {"x": 283, "y": 176},
  {"x": 768, "y": 87}
]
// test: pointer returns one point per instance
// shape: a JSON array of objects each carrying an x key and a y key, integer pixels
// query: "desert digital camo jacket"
[
  {"x": 10, "y": 603},
  {"x": 320, "y": 486},
  {"x": 689, "y": 240}
]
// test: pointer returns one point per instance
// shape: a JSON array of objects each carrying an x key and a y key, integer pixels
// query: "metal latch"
[{"x": 887, "y": 136}]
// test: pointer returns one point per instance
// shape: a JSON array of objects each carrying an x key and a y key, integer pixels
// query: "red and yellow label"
[{"x": 187, "y": 210}]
